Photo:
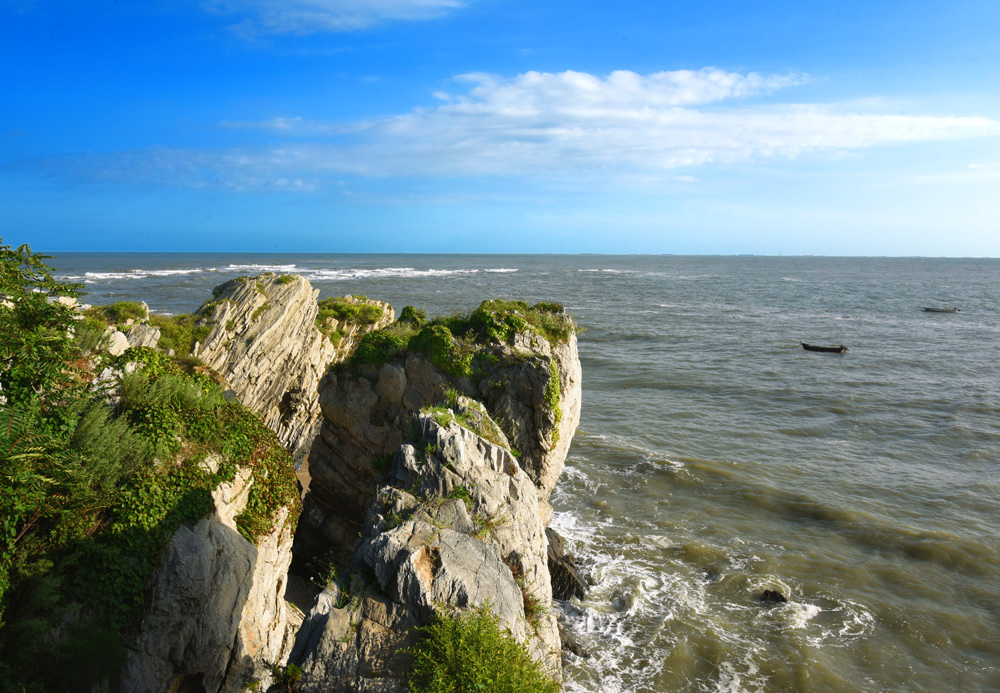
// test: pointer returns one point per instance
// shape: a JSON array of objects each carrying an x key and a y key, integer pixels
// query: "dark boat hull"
[
  {"x": 824, "y": 349},
  {"x": 940, "y": 310}
]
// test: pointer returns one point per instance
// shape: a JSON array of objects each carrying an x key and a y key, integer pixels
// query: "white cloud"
[
  {"x": 571, "y": 123},
  {"x": 577, "y": 122},
  {"x": 315, "y": 16}
]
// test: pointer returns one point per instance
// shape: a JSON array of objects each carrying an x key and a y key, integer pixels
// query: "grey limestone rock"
[
  {"x": 368, "y": 413},
  {"x": 143, "y": 335},
  {"x": 459, "y": 528},
  {"x": 216, "y": 614}
]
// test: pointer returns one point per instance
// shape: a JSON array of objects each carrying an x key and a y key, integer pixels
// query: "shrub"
[
  {"x": 348, "y": 311},
  {"x": 416, "y": 316},
  {"x": 380, "y": 346},
  {"x": 118, "y": 312},
  {"x": 180, "y": 332},
  {"x": 470, "y": 652},
  {"x": 441, "y": 348},
  {"x": 88, "y": 334}
]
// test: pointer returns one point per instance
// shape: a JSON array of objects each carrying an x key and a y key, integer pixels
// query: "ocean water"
[{"x": 716, "y": 459}]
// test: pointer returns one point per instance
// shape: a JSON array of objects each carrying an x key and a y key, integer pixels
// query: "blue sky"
[{"x": 848, "y": 128}]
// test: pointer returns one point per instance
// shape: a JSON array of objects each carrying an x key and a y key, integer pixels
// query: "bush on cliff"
[
  {"x": 470, "y": 652},
  {"x": 451, "y": 343},
  {"x": 89, "y": 494}
]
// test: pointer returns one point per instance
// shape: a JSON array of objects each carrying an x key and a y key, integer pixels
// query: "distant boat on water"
[
  {"x": 944, "y": 309},
  {"x": 826, "y": 349}
]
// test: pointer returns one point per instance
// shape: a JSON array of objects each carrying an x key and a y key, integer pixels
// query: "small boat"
[
  {"x": 940, "y": 310},
  {"x": 828, "y": 350}
]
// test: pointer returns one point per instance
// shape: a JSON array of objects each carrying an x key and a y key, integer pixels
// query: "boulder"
[
  {"x": 143, "y": 335},
  {"x": 117, "y": 342}
]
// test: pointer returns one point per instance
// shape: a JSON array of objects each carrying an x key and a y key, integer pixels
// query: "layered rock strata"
[
  {"x": 265, "y": 343},
  {"x": 457, "y": 527},
  {"x": 215, "y": 617}
]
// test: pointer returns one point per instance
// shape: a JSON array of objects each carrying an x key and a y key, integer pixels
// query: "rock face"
[
  {"x": 457, "y": 528},
  {"x": 216, "y": 615},
  {"x": 567, "y": 581},
  {"x": 265, "y": 343},
  {"x": 531, "y": 386}
]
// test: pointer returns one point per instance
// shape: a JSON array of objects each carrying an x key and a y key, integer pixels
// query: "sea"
[{"x": 717, "y": 459}]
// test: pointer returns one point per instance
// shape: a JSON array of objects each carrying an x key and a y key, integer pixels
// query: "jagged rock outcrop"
[
  {"x": 567, "y": 579},
  {"x": 215, "y": 618},
  {"x": 458, "y": 528},
  {"x": 265, "y": 343},
  {"x": 532, "y": 387}
]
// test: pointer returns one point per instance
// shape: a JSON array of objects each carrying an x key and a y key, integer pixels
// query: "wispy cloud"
[
  {"x": 316, "y": 16},
  {"x": 557, "y": 124}
]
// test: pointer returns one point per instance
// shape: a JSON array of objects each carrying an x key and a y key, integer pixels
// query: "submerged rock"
[{"x": 773, "y": 597}]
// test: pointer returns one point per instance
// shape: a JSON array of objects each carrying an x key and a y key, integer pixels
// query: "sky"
[{"x": 501, "y": 126}]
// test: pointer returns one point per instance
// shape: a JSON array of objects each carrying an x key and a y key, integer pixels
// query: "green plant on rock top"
[
  {"x": 416, "y": 316},
  {"x": 470, "y": 653},
  {"x": 118, "y": 312},
  {"x": 443, "y": 350},
  {"x": 380, "y": 346}
]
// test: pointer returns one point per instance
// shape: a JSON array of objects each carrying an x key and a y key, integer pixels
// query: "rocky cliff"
[
  {"x": 215, "y": 617},
  {"x": 530, "y": 385},
  {"x": 456, "y": 527},
  {"x": 430, "y": 464}
]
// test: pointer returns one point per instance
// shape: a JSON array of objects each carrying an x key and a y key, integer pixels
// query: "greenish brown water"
[{"x": 716, "y": 458}]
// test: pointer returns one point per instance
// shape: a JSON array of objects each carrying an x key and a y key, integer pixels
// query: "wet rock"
[
  {"x": 567, "y": 580},
  {"x": 772, "y": 597},
  {"x": 568, "y": 644}
]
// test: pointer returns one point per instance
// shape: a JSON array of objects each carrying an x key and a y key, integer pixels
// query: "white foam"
[
  {"x": 262, "y": 268},
  {"x": 96, "y": 277},
  {"x": 800, "y": 614}
]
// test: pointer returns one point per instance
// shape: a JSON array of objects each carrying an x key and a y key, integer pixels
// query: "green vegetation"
[
  {"x": 180, "y": 332},
  {"x": 286, "y": 279},
  {"x": 380, "y": 346},
  {"x": 471, "y": 652},
  {"x": 90, "y": 493},
  {"x": 416, "y": 316},
  {"x": 453, "y": 343},
  {"x": 553, "y": 393},
  {"x": 463, "y": 493},
  {"x": 118, "y": 312},
  {"x": 343, "y": 310},
  {"x": 259, "y": 310},
  {"x": 287, "y": 677}
]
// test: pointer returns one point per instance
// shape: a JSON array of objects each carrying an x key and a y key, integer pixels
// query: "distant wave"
[
  {"x": 93, "y": 277},
  {"x": 312, "y": 274},
  {"x": 263, "y": 268}
]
